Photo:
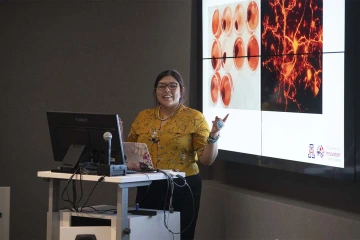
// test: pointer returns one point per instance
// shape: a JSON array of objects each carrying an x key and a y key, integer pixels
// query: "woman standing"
[{"x": 178, "y": 137}]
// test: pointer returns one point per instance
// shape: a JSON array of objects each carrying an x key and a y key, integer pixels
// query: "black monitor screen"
[{"x": 85, "y": 129}]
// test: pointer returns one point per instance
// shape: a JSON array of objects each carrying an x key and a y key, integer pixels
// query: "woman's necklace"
[{"x": 164, "y": 119}]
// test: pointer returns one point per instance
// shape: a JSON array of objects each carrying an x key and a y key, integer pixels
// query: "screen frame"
[
  {"x": 348, "y": 172},
  {"x": 86, "y": 123}
]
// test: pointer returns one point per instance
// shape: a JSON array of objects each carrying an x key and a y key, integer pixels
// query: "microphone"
[{"x": 107, "y": 137}]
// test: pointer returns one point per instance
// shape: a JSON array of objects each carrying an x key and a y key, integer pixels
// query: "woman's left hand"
[
  {"x": 210, "y": 152},
  {"x": 121, "y": 125},
  {"x": 217, "y": 125}
]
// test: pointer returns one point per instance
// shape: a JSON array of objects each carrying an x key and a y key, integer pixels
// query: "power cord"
[
  {"x": 97, "y": 182},
  {"x": 75, "y": 203},
  {"x": 170, "y": 186},
  {"x": 99, "y": 211},
  {"x": 172, "y": 183},
  {"x": 67, "y": 193},
  {"x": 143, "y": 197}
]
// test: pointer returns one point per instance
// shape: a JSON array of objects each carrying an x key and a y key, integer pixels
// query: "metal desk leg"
[
  {"x": 122, "y": 221},
  {"x": 53, "y": 215}
]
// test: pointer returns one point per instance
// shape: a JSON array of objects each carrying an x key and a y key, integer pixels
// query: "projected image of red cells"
[
  {"x": 216, "y": 23},
  {"x": 253, "y": 15},
  {"x": 239, "y": 53},
  {"x": 226, "y": 89},
  {"x": 291, "y": 63},
  {"x": 216, "y": 55},
  {"x": 227, "y": 21},
  {"x": 226, "y": 53},
  {"x": 215, "y": 87},
  {"x": 232, "y": 51},
  {"x": 253, "y": 53},
  {"x": 239, "y": 19}
]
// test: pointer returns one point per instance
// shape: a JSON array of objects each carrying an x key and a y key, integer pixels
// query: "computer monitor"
[{"x": 78, "y": 137}]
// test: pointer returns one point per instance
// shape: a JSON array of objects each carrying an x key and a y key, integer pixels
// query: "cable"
[
  {"x": 75, "y": 202},
  {"x": 188, "y": 226},
  {"x": 171, "y": 181},
  {"x": 74, "y": 197},
  {"x": 192, "y": 196},
  {"x": 99, "y": 180},
  {"x": 66, "y": 188},
  {"x": 170, "y": 189},
  {"x": 143, "y": 197},
  {"x": 81, "y": 189},
  {"x": 99, "y": 211}
]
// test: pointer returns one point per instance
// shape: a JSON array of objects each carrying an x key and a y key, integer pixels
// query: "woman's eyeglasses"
[{"x": 163, "y": 86}]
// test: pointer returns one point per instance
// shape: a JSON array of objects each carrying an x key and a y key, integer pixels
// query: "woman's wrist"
[
  {"x": 213, "y": 137},
  {"x": 214, "y": 134}
]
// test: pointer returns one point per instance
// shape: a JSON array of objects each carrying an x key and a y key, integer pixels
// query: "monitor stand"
[{"x": 75, "y": 155}]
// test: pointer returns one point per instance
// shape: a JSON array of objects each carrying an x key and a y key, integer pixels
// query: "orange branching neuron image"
[{"x": 292, "y": 43}]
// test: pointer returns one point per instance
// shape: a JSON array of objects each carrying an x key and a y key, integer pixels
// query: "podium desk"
[{"x": 123, "y": 182}]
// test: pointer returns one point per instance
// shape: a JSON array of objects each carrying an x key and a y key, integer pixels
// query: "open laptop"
[{"x": 137, "y": 157}]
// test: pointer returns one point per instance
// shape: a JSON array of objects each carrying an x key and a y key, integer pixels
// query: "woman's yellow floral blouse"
[{"x": 177, "y": 144}]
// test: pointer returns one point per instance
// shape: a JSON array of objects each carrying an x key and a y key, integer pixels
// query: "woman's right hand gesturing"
[{"x": 121, "y": 127}]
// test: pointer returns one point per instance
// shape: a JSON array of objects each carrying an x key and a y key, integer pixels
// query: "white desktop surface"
[{"x": 133, "y": 177}]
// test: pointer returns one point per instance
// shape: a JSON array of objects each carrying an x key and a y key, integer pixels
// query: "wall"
[
  {"x": 87, "y": 56},
  {"x": 103, "y": 56},
  {"x": 236, "y": 213}
]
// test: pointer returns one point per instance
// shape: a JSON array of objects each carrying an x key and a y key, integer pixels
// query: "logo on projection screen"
[
  {"x": 330, "y": 154},
  {"x": 320, "y": 151},
  {"x": 311, "y": 153}
]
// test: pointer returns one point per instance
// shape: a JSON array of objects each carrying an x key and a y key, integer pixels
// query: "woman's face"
[{"x": 168, "y": 92}]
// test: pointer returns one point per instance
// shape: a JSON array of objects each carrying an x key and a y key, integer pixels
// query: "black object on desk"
[
  {"x": 85, "y": 237},
  {"x": 111, "y": 170},
  {"x": 143, "y": 212},
  {"x": 65, "y": 170}
]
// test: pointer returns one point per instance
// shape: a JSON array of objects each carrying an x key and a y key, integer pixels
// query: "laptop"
[{"x": 137, "y": 157}]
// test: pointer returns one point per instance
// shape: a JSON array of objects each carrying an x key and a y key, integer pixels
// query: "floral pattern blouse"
[{"x": 177, "y": 144}]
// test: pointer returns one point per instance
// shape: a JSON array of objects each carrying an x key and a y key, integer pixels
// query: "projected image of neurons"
[{"x": 291, "y": 49}]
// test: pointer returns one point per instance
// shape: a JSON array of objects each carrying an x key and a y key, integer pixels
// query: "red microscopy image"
[
  {"x": 215, "y": 87},
  {"x": 226, "y": 89},
  {"x": 227, "y": 54},
  {"x": 216, "y": 23},
  {"x": 227, "y": 21},
  {"x": 239, "y": 53},
  {"x": 215, "y": 55},
  {"x": 252, "y": 15},
  {"x": 292, "y": 45},
  {"x": 239, "y": 18},
  {"x": 253, "y": 53}
]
